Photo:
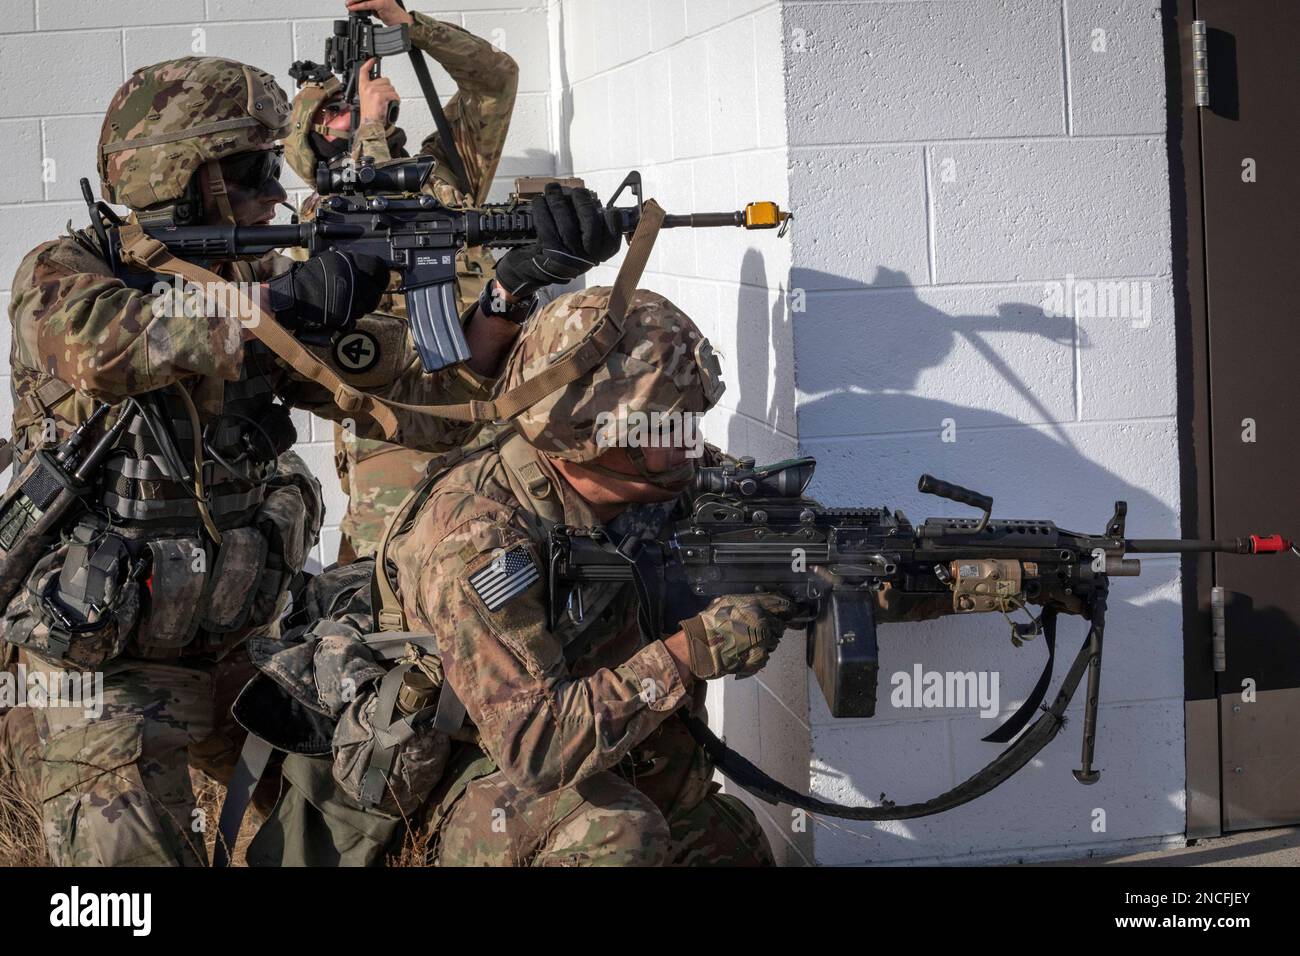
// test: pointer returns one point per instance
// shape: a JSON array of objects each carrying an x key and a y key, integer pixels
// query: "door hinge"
[
  {"x": 1200, "y": 63},
  {"x": 1219, "y": 628}
]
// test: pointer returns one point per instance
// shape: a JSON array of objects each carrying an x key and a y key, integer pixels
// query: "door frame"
[{"x": 1200, "y": 692}]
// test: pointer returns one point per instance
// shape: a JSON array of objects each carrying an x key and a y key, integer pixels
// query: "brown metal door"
[{"x": 1250, "y": 149}]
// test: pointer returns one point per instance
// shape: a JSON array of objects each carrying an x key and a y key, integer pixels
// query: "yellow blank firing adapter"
[{"x": 766, "y": 215}]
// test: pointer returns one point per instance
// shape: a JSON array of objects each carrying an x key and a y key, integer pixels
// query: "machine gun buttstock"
[{"x": 842, "y": 651}]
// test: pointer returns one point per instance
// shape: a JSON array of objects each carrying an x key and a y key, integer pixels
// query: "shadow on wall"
[{"x": 861, "y": 354}]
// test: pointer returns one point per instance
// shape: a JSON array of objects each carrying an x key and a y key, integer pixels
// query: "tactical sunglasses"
[{"x": 253, "y": 171}]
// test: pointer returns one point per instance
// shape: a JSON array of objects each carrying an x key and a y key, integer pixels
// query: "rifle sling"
[
  {"x": 1017, "y": 721},
  {"x": 744, "y": 774},
  {"x": 445, "y": 136}
]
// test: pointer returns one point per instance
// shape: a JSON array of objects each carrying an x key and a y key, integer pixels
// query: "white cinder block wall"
[
  {"x": 62, "y": 60},
  {"x": 951, "y": 162},
  {"x": 690, "y": 94}
]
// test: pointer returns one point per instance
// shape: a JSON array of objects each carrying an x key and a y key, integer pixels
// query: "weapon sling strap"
[
  {"x": 445, "y": 135},
  {"x": 140, "y": 249},
  {"x": 744, "y": 774}
]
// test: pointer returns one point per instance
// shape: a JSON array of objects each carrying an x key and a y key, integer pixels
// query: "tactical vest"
[{"x": 138, "y": 570}]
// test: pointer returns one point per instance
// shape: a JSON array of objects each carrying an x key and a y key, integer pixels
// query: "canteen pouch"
[
  {"x": 174, "y": 590},
  {"x": 236, "y": 573}
]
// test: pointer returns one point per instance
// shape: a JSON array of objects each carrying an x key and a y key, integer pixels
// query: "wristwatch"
[{"x": 494, "y": 302}]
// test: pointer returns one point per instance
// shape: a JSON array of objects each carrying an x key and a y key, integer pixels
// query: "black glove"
[
  {"x": 328, "y": 292},
  {"x": 572, "y": 237}
]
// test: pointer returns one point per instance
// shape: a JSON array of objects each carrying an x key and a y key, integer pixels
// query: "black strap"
[
  {"x": 749, "y": 777},
  {"x": 239, "y": 794},
  {"x": 440, "y": 119},
  {"x": 1017, "y": 721}
]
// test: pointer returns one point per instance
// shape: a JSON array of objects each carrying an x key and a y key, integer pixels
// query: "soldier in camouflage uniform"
[
  {"x": 376, "y": 475},
  {"x": 583, "y": 756},
  {"x": 180, "y": 555}
]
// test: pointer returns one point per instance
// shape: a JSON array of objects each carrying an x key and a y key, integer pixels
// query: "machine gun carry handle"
[{"x": 930, "y": 485}]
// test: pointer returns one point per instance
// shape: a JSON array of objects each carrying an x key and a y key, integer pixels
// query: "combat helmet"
[
  {"x": 661, "y": 363},
  {"x": 170, "y": 119}
]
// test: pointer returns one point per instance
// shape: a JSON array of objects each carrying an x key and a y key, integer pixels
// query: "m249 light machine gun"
[
  {"x": 380, "y": 211},
  {"x": 751, "y": 529}
]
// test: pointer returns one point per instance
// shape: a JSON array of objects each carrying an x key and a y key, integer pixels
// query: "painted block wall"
[
  {"x": 690, "y": 94},
  {"x": 50, "y": 118},
  {"x": 960, "y": 170}
]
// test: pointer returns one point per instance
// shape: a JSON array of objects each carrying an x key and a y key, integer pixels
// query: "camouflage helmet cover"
[
  {"x": 171, "y": 118},
  {"x": 298, "y": 151},
  {"x": 662, "y": 363},
  {"x": 311, "y": 96}
]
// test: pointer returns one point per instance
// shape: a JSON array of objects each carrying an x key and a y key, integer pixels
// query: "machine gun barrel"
[{"x": 1251, "y": 544}]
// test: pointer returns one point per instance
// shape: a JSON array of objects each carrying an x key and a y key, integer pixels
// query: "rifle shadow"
[{"x": 893, "y": 381}]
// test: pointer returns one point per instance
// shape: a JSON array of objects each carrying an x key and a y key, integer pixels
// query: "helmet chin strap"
[{"x": 215, "y": 192}]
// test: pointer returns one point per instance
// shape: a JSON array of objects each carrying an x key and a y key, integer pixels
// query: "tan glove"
[{"x": 736, "y": 633}]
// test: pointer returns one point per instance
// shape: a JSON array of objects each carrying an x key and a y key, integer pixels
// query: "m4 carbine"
[
  {"x": 379, "y": 211},
  {"x": 750, "y": 529}
]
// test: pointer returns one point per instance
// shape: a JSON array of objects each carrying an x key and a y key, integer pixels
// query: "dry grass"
[
  {"x": 208, "y": 795},
  {"x": 21, "y": 840},
  {"x": 417, "y": 846}
]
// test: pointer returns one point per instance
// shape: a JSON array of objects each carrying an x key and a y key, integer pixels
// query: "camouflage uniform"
[
  {"x": 115, "y": 789},
  {"x": 375, "y": 475},
  {"x": 584, "y": 757}
]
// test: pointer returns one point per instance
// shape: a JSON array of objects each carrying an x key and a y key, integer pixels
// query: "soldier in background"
[{"x": 377, "y": 475}]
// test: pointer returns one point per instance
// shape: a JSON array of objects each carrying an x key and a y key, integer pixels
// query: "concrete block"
[
  {"x": 1046, "y": 210},
  {"x": 654, "y": 110},
  {"x": 702, "y": 17},
  {"x": 634, "y": 19},
  {"x": 24, "y": 181},
  {"x": 28, "y": 226},
  {"x": 20, "y": 17},
  {"x": 885, "y": 72},
  {"x": 590, "y": 125},
  {"x": 1117, "y": 80},
  {"x": 1126, "y": 348},
  {"x": 47, "y": 74},
  {"x": 88, "y": 14},
  {"x": 860, "y": 216},
  {"x": 667, "y": 23},
  {"x": 769, "y": 58},
  {"x": 688, "y": 66},
  {"x": 526, "y": 151},
  {"x": 70, "y": 143},
  {"x": 733, "y": 104},
  {"x": 523, "y": 35}
]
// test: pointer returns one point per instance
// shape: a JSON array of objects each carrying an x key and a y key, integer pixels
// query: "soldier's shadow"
[{"x": 862, "y": 353}]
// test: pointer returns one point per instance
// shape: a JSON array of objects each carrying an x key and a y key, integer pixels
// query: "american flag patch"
[{"x": 505, "y": 576}]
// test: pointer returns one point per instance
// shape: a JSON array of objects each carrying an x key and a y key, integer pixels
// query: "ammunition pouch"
[{"x": 80, "y": 603}]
